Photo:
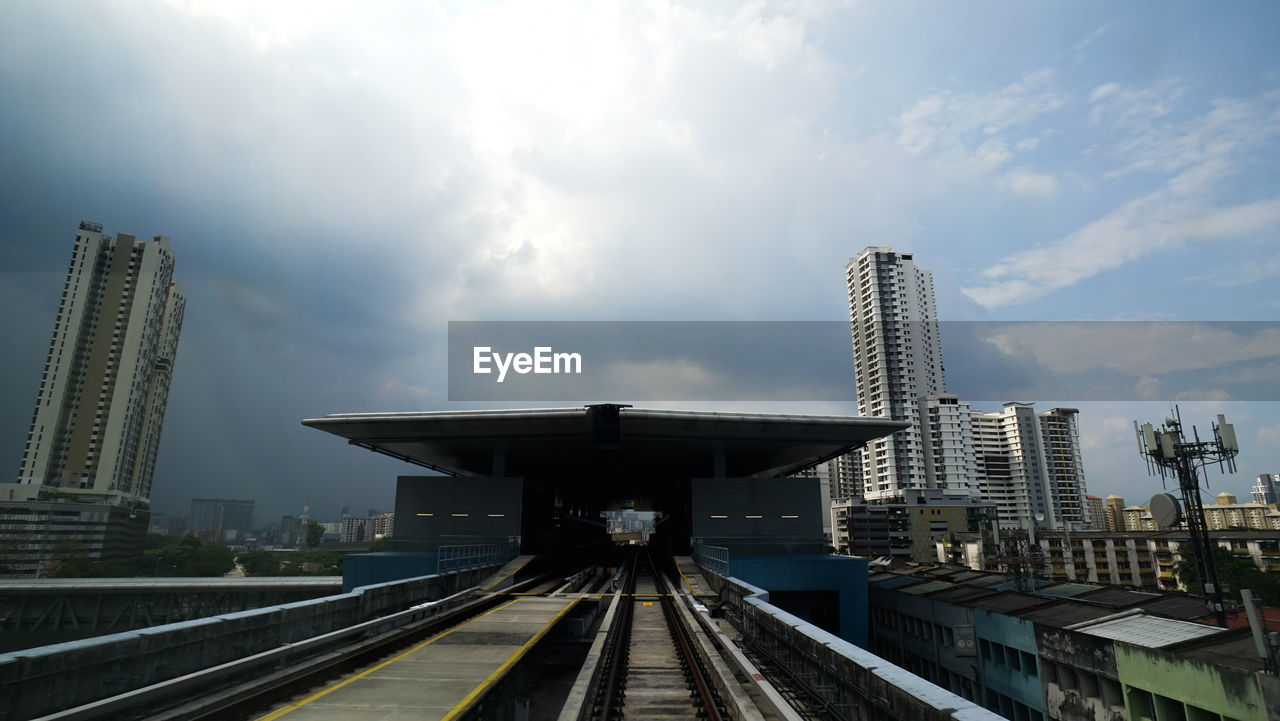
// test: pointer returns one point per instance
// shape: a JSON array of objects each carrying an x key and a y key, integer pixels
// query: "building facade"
[
  {"x": 1267, "y": 489},
  {"x": 95, "y": 430},
  {"x": 904, "y": 529},
  {"x": 898, "y": 374}
]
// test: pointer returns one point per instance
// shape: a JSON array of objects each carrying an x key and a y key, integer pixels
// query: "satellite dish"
[
  {"x": 1039, "y": 518},
  {"x": 1165, "y": 511}
]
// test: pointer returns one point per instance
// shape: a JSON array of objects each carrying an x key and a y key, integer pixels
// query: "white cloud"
[
  {"x": 1103, "y": 91},
  {"x": 1026, "y": 182},
  {"x": 965, "y": 129},
  {"x": 1196, "y": 156}
]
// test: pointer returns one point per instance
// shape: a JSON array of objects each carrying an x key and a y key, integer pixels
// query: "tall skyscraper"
[
  {"x": 1064, "y": 469},
  {"x": 100, "y": 407},
  {"x": 897, "y": 358},
  {"x": 1266, "y": 489}
]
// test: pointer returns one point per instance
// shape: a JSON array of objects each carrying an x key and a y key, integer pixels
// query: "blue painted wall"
[
  {"x": 1009, "y": 661},
  {"x": 847, "y": 576},
  {"x": 364, "y": 569}
]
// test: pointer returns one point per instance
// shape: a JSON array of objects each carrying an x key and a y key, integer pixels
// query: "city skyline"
[{"x": 343, "y": 182}]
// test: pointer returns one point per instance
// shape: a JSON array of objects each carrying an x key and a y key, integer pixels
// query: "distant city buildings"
[
  {"x": 221, "y": 520},
  {"x": 1226, "y": 514},
  {"x": 89, "y": 459}
]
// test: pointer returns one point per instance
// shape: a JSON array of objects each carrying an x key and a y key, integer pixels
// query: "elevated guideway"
[{"x": 38, "y": 612}]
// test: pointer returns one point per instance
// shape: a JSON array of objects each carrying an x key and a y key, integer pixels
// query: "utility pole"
[{"x": 1168, "y": 452}]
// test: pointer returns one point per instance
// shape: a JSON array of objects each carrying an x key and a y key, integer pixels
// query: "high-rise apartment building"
[
  {"x": 1028, "y": 465},
  {"x": 1064, "y": 469},
  {"x": 1266, "y": 489},
  {"x": 95, "y": 430},
  {"x": 1113, "y": 512},
  {"x": 897, "y": 358}
]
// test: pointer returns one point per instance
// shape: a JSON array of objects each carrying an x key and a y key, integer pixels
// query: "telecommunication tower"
[{"x": 1168, "y": 452}]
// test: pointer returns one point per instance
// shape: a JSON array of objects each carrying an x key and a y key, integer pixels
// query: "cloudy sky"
[{"x": 340, "y": 180}]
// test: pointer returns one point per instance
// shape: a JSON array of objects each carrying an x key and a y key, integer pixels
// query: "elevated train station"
[{"x": 562, "y": 467}]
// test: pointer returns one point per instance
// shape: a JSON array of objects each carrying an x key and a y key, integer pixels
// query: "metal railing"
[
  {"x": 712, "y": 558},
  {"x": 457, "y": 558}
]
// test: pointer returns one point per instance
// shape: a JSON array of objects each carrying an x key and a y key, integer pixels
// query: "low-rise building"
[
  {"x": 1068, "y": 651},
  {"x": 905, "y": 529},
  {"x": 1140, "y": 559}
]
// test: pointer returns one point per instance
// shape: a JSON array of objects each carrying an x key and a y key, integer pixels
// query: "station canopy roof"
[{"x": 621, "y": 440}]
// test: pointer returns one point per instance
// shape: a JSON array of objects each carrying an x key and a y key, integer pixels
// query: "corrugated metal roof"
[
  {"x": 1147, "y": 631},
  {"x": 896, "y": 582},
  {"x": 1068, "y": 590},
  {"x": 927, "y": 587}
]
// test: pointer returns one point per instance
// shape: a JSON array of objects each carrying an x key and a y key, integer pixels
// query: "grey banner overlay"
[{"x": 813, "y": 360}]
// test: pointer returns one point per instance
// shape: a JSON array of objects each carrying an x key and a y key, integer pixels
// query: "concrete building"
[
  {"x": 1113, "y": 513},
  {"x": 384, "y": 524},
  {"x": 1132, "y": 558},
  {"x": 1064, "y": 469},
  {"x": 897, "y": 357},
  {"x": 355, "y": 529},
  {"x": 94, "y": 433},
  {"x": 905, "y": 530},
  {"x": 1011, "y": 466},
  {"x": 96, "y": 427},
  {"x": 35, "y": 534},
  {"x": 1067, "y": 651},
  {"x": 1267, "y": 489},
  {"x": 1227, "y": 514},
  {"x": 1097, "y": 513},
  {"x": 221, "y": 520}
]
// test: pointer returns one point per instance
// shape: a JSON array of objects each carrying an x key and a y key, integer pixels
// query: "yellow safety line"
[
  {"x": 471, "y": 699},
  {"x": 509, "y": 575},
  {"x": 686, "y": 580},
  {"x": 325, "y": 692}
]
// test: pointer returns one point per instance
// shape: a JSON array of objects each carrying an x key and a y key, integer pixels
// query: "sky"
[{"x": 341, "y": 180}]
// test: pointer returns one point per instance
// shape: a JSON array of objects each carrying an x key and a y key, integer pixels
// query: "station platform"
[
  {"x": 442, "y": 677},
  {"x": 691, "y": 578}
]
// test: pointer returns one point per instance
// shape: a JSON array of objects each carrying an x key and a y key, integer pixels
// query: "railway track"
[{"x": 652, "y": 670}]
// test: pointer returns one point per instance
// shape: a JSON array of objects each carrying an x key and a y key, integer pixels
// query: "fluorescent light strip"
[
  {"x": 719, "y": 516},
  {"x": 459, "y": 515},
  {"x": 428, "y": 515},
  {"x": 753, "y": 516},
  {"x": 497, "y": 515},
  {"x": 790, "y": 516}
]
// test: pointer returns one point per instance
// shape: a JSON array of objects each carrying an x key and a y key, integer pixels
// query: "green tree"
[
  {"x": 314, "y": 532},
  {"x": 259, "y": 563},
  {"x": 1234, "y": 572}
]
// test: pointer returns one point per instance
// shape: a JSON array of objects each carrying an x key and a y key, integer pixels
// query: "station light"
[
  {"x": 719, "y": 516},
  {"x": 459, "y": 515},
  {"x": 754, "y": 516},
  {"x": 428, "y": 515},
  {"x": 790, "y": 516}
]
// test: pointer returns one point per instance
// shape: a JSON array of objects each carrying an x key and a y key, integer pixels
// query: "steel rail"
[{"x": 684, "y": 645}]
